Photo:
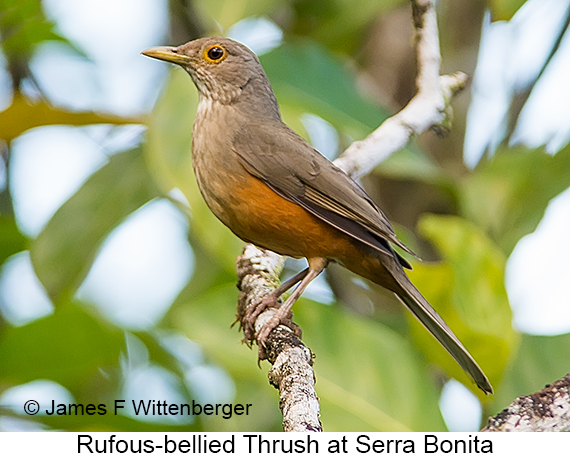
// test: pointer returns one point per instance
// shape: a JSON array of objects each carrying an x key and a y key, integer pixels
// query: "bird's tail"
[{"x": 424, "y": 312}]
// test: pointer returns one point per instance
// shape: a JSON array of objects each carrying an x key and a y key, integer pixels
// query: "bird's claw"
[
  {"x": 282, "y": 316},
  {"x": 253, "y": 312}
]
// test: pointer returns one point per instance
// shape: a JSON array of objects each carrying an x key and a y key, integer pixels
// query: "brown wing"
[{"x": 295, "y": 170}]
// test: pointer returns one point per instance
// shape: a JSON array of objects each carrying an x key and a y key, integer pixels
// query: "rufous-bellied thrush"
[{"x": 273, "y": 189}]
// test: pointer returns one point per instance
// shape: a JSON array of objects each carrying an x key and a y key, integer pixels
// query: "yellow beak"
[{"x": 166, "y": 53}]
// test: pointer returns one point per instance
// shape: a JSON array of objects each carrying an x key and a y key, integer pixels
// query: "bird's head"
[{"x": 222, "y": 69}]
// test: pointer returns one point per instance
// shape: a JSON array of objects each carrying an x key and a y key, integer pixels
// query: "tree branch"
[
  {"x": 426, "y": 110},
  {"x": 292, "y": 372},
  {"x": 545, "y": 411},
  {"x": 258, "y": 270}
]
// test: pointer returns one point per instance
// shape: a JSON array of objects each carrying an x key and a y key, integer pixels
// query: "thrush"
[{"x": 273, "y": 189}]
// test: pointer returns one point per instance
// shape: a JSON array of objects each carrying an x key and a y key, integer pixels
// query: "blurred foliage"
[
  {"x": 24, "y": 27},
  {"x": 470, "y": 295},
  {"x": 370, "y": 374},
  {"x": 507, "y": 197},
  {"x": 72, "y": 237},
  {"x": 504, "y": 9},
  {"x": 338, "y": 24},
  {"x": 383, "y": 384},
  {"x": 69, "y": 359},
  {"x": 338, "y": 102},
  {"x": 24, "y": 114},
  {"x": 11, "y": 240},
  {"x": 537, "y": 363}
]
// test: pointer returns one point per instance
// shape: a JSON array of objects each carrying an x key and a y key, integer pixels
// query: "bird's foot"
[
  {"x": 283, "y": 316},
  {"x": 271, "y": 300}
]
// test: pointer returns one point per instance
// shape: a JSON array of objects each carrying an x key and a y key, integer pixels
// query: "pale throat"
[{"x": 205, "y": 106}]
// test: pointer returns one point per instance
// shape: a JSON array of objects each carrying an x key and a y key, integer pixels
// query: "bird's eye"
[{"x": 215, "y": 53}]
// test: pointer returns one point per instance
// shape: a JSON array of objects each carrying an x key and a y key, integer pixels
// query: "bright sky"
[{"x": 510, "y": 56}]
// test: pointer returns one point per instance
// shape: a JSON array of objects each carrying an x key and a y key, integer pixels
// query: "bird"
[{"x": 272, "y": 189}]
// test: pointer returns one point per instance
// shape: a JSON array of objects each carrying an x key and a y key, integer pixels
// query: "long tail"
[{"x": 424, "y": 312}]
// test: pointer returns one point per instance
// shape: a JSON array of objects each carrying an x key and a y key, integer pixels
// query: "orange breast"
[
  {"x": 266, "y": 219},
  {"x": 258, "y": 215}
]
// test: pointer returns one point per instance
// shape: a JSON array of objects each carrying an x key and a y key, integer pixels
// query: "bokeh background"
[{"x": 117, "y": 283}]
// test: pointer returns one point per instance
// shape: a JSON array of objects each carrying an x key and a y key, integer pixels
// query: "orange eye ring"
[{"x": 215, "y": 53}]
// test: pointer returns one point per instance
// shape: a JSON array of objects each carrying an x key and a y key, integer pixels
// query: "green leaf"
[
  {"x": 68, "y": 347},
  {"x": 507, "y": 196},
  {"x": 24, "y": 26},
  {"x": 11, "y": 240},
  {"x": 308, "y": 78},
  {"x": 23, "y": 115},
  {"x": 369, "y": 377},
  {"x": 467, "y": 289},
  {"x": 540, "y": 360},
  {"x": 504, "y": 10},
  {"x": 63, "y": 252}
]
